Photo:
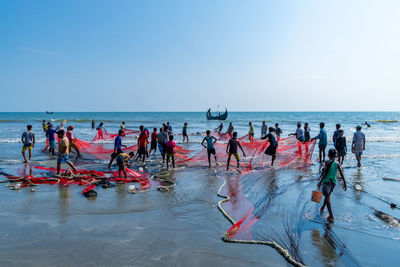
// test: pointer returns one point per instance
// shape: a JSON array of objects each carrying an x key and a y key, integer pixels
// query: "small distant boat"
[
  {"x": 48, "y": 112},
  {"x": 220, "y": 117}
]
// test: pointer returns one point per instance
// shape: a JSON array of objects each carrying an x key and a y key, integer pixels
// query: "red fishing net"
[
  {"x": 98, "y": 151},
  {"x": 88, "y": 178},
  {"x": 290, "y": 151},
  {"x": 103, "y": 135}
]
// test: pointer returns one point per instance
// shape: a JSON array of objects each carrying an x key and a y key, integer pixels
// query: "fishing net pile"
[{"x": 89, "y": 179}]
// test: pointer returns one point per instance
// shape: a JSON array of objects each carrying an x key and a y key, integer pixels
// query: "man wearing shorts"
[
  {"x": 51, "y": 138},
  {"x": 28, "y": 139},
  {"x": 117, "y": 147},
  {"x": 231, "y": 149},
  {"x": 210, "y": 147},
  {"x": 184, "y": 133},
  {"x": 71, "y": 139},
  {"x": 122, "y": 160},
  {"x": 142, "y": 144},
  {"x": 358, "y": 145},
  {"x": 63, "y": 152},
  {"x": 251, "y": 132},
  {"x": 153, "y": 145},
  {"x": 273, "y": 144},
  {"x": 323, "y": 142}
]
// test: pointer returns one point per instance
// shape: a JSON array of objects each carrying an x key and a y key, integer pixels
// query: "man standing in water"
[
  {"x": 230, "y": 128},
  {"x": 263, "y": 129},
  {"x": 210, "y": 147},
  {"x": 358, "y": 145},
  {"x": 251, "y": 132},
  {"x": 93, "y": 124},
  {"x": 71, "y": 140},
  {"x": 63, "y": 152},
  {"x": 323, "y": 141},
  {"x": 299, "y": 133},
  {"x": 184, "y": 133},
  {"x": 28, "y": 139},
  {"x": 278, "y": 130},
  {"x": 273, "y": 144},
  {"x": 100, "y": 129},
  {"x": 336, "y": 134},
  {"x": 162, "y": 139},
  {"x": 52, "y": 140},
  {"x": 307, "y": 136},
  {"x": 232, "y": 149},
  {"x": 142, "y": 144}
]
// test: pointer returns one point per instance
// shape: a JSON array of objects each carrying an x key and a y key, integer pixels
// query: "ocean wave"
[
  {"x": 78, "y": 120},
  {"x": 11, "y": 121},
  {"x": 389, "y": 139},
  {"x": 386, "y": 121}
]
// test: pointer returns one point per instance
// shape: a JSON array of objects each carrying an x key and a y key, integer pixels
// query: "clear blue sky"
[{"x": 191, "y": 55}]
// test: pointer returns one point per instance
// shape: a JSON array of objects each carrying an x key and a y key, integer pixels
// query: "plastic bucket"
[{"x": 316, "y": 196}]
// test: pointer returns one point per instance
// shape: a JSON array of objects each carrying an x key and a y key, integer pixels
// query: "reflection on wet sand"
[
  {"x": 325, "y": 245},
  {"x": 64, "y": 196}
]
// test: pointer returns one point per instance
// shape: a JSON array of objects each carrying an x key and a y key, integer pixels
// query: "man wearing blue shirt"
[
  {"x": 117, "y": 147},
  {"x": 336, "y": 134},
  {"x": 323, "y": 141},
  {"x": 51, "y": 138}
]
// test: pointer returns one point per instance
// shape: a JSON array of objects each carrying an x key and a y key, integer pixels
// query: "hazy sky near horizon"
[{"x": 163, "y": 55}]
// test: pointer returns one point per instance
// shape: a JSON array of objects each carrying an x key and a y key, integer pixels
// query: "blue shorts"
[
  {"x": 327, "y": 188},
  {"x": 52, "y": 144},
  {"x": 63, "y": 158},
  {"x": 160, "y": 148}
]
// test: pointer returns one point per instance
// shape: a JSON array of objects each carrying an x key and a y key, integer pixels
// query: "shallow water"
[{"x": 56, "y": 225}]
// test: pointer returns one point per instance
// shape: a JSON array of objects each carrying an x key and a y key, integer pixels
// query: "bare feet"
[{"x": 330, "y": 219}]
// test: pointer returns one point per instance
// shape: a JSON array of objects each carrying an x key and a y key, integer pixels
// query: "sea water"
[{"x": 367, "y": 238}]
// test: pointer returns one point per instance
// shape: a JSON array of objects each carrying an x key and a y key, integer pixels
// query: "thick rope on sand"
[{"x": 272, "y": 244}]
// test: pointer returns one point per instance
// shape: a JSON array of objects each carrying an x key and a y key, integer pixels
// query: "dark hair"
[
  {"x": 123, "y": 122},
  {"x": 338, "y": 125},
  {"x": 298, "y": 124},
  {"x": 208, "y": 132},
  {"x": 306, "y": 123},
  {"x": 341, "y": 131},
  {"x": 234, "y": 134},
  {"x": 332, "y": 153},
  {"x": 271, "y": 129},
  {"x": 132, "y": 154},
  {"x": 61, "y": 132},
  {"x": 121, "y": 132},
  {"x": 141, "y": 127},
  {"x": 101, "y": 123},
  {"x": 161, "y": 129},
  {"x": 155, "y": 129},
  {"x": 322, "y": 124},
  {"x": 276, "y": 124},
  {"x": 171, "y": 137},
  {"x": 29, "y": 127}
]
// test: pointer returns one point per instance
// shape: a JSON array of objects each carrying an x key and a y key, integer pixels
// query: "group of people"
[{"x": 164, "y": 141}]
